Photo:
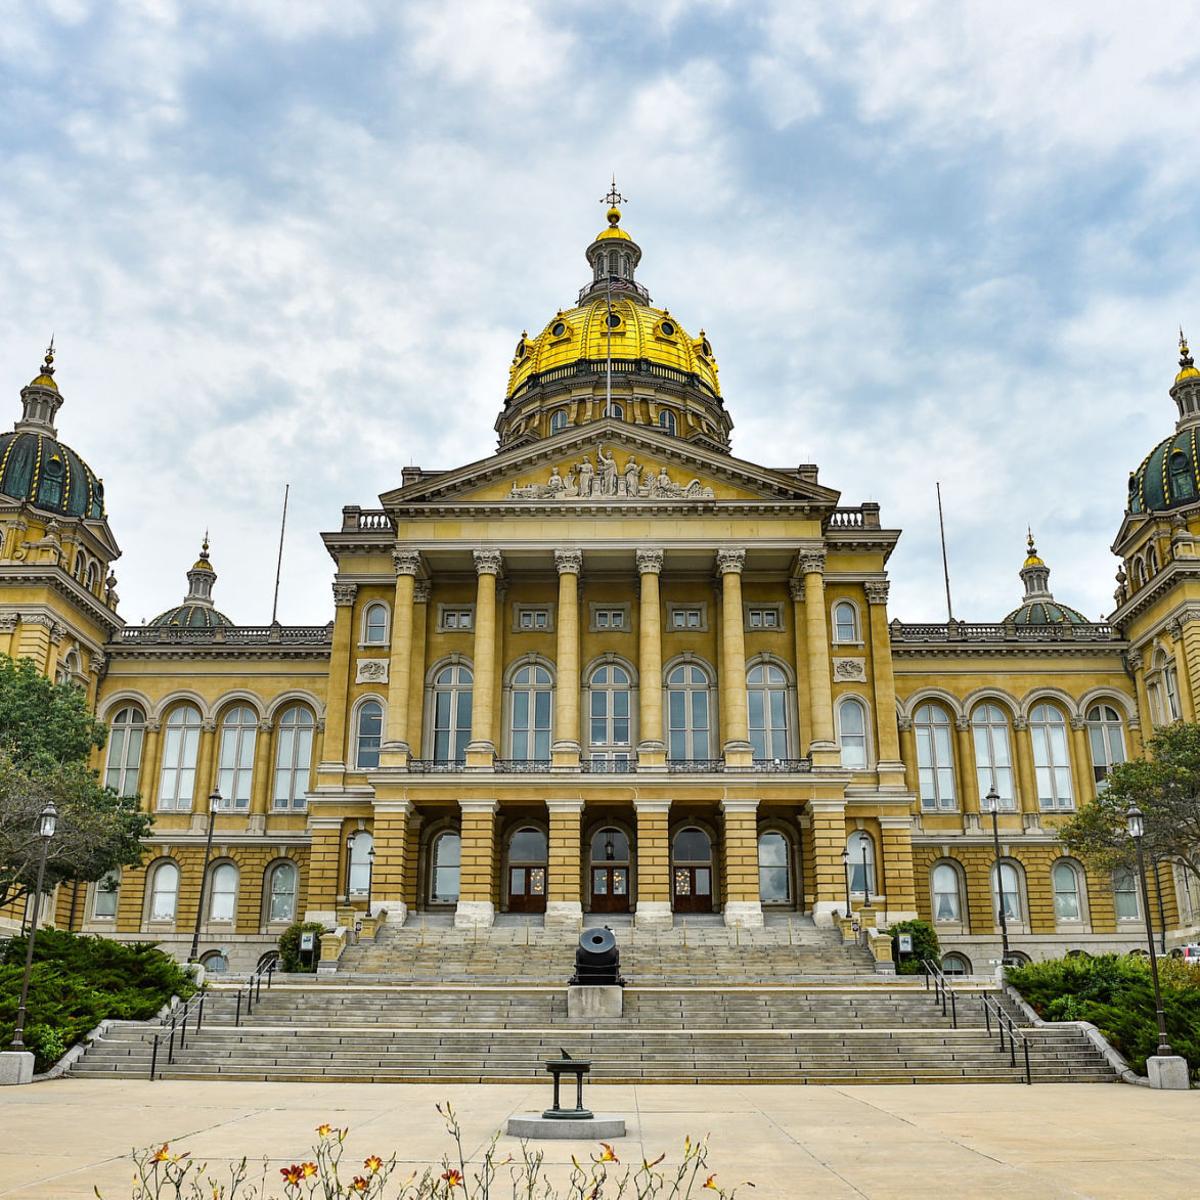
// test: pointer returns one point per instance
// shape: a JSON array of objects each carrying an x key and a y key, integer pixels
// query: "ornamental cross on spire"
[{"x": 614, "y": 197}]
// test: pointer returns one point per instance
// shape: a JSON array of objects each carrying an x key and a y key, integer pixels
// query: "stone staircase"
[{"x": 705, "y": 1005}]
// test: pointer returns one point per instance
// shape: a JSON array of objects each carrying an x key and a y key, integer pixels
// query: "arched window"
[
  {"x": 666, "y": 420},
  {"x": 609, "y": 870},
  {"x": 239, "y": 729},
  {"x": 180, "y": 746},
  {"x": 281, "y": 892},
  {"x": 956, "y": 964},
  {"x": 1126, "y": 900},
  {"x": 1183, "y": 483},
  {"x": 610, "y": 722},
  {"x": 446, "y": 858},
  {"x": 1006, "y": 889},
  {"x": 125, "y": 751},
  {"x": 691, "y": 870},
  {"x": 935, "y": 757},
  {"x": 214, "y": 962},
  {"x": 615, "y": 410},
  {"x": 222, "y": 892},
  {"x": 845, "y": 622},
  {"x": 532, "y": 705},
  {"x": 947, "y": 893},
  {"x": 1170, "y": 687},
  {"x": 106, "y": 895},
  {"x": 558, "y": 420},
  {"x": 368, "y": 735},
  {"x": 375, "y": 624},
  {"x": 688, "y": 724},
  {"x": 452, "y": 692},
  {"x": 774, "y": 868},
  {"x": 164, "y": 891},
  {"x": 767, "y": 711},
  {"x": 852, "y": 732},
  {"x": 993, "y": 753},
  {"x": 1106, "y": 738},
  {"x": 1051, "y": 757},
  {"x": 860, "y": 847},
  {"x": 362, "y": 858},
  {"x": 1068, "y": 904},
  {"x": 527, "y": 854},
  {"x": 293, "y": 756}
]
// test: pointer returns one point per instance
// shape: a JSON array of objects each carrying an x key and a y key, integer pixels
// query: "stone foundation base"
[
  {"x": 589, "y": 1129},
  {"x": 654, "y": 914},
  {"x": 1167, "y": 1071},
  {"x": 562, "y": 914},
  {"x": 745, "y": 914},
  {"x": 16, "y": 1067},
  {"x": 587, "y": 1002},
  {"x": 822, "y": 913},
  {"x": 474, "y": 914}
]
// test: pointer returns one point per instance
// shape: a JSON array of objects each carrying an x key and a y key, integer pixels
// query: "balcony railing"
[
  {"x": 436, "y": 766},
  {"x": 782, "y": 766},
  {"x": 608, "y": 766},
  {"x": 695, "y": 766},
  {"x": 366, "y": 520},
  {"x": 228, "y": 635},
  {"x": 865, "y": 516},
  {"x": 522, "y": 766},
  {"x": 960, "y": 631}
]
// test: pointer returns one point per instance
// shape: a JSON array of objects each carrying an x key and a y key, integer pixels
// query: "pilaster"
[
  {"x": 331, "y": 772},
  {"x": 324, "y": 867},
  {"x": 481, "y": 751},
  {"x": 896, "y": 836},
  {"x": 829, "y": 840},
  {"x": 653, "y": 864},
  {"x": 743, "y": 901},
  {"x": 476, "y": 908},
  {"x": 736, "y": 743},
  {"x": 652, "y": 751},
  {"x": 564, "y": 904},
  {"x": 822, "y": 745},
  {"x": 890, "y": 766},
  {"x": 395, "y": 751},
  {"x": 565, "y": 751},
  {"x": 389, "y": 877}
]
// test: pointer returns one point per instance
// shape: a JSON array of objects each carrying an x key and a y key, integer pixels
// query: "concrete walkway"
[{"x": 59, "y": 1139}]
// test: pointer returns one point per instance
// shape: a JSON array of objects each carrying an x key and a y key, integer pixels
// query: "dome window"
[
  {"x": 520, "y": 351},
  {"x": 558, "y": 420},
  {"x": 705, "y": 348},
  {"x": 666, "y": 420},
  {"x": 668, "y": 330},
  {"x": 559, "y": 328},
  {"x": 1183, "y": 484}
]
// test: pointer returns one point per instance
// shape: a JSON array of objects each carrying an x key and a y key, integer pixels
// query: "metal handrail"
[
  {"x": 177, "y": 1019},
  {"x": 1015, "y": 1035},
  {"x": 253, "y": 988},
  {"x": 942, "y": 991}
]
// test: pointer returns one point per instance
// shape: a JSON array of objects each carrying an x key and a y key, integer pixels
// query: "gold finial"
[
  {"x": 1031, "y": 558},
  {"x": 204, "y": 546},
  {"x": 612, "y": 199},
  {"x": 1187, "y": 366},
  {"x": 48, "y": 361}
]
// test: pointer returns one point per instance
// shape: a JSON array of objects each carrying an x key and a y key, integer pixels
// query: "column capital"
[
  {"x": 479, "y": 806},
  {"x": 406, "y": 562},
  {"x": 421, "y": 590},
  {"x": 729, "y": 805},
  {"x": 730, "y": 561},
  {"x": 1078, "y": 723},
  {"x": 1175, "y": 629},
  {"x": 1020, "y": 723},
  {"x": 564, "y": 806},
  {"x": 649, "y": 562},
  {"x": 877, "y": 591},
  {"x": 904, "y": 724},
  {"x": 488, "y": 562},
  {"x": 812, "y": 562},
  {"x": 568, "y": 562},
  {"x": 962, "y": 723},
  {"x": 1134, "y": 658},
  {"x": 344, "y": 594},
  {"x": 796, "y": 589}
]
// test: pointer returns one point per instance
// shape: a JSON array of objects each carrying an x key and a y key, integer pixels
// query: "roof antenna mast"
[
  {"x": 945, "y": 560},
  {"x": 287, "y": 487},
  {"x": 612, "y": 200}
]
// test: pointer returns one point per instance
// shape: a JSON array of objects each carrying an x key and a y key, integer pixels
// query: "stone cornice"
[
  {"x": 20, "y": 575},
  {"x": 1172, "y": 573}
]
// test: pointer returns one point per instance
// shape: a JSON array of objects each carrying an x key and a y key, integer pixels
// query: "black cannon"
[{"x": 597, "y": 960}]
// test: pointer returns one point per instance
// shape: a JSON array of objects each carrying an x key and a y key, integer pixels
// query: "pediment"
[{"x": 609, "y": 462}]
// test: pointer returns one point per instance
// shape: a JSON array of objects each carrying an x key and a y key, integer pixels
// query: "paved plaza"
[{"x": 1039, "y": 1142}]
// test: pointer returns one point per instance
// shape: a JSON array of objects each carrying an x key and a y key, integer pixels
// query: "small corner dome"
[
  {"x": 1039, "y": 607},
  {"x": 192, "y": 616}
]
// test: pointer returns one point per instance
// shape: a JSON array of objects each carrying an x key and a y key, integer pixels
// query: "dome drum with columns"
[{"x": 612, "y": 668}]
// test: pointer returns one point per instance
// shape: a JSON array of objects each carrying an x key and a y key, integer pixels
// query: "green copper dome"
[
  {"x": 196, "y": 611},
  {"x": 1039, "y": 606},
  {"x": 1169, "y": 476}
]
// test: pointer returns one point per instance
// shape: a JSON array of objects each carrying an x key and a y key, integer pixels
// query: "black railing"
[
  {"x": 608, "y": 766},
  {"x": 436, "y": 766},
  {"x": 253, "y": 988},
  {"x": 782, "y": 766},
  {"x": 522, "y": 766},
  {"x": 177, "y": 1020},
  {"x": 1005, "y": 1023},
  {"x": 695, "y": 766},
  {"x": 943, "y": 993}
]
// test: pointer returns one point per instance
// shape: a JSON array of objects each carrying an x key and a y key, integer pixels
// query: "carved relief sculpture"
[{"x": 603, "y": 479}]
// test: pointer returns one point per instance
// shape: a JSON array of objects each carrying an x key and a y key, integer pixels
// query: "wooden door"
[
  {"x": 610, "y": 889},
  {"x": 692, "y": 887},
  {"x": 527, "y": 889}
]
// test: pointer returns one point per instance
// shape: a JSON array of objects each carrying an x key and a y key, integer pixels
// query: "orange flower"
[
  {"x": 708, "y": 1183},
  {"x": 649, "y": 1165},
  {"x": 161, "y": 1154},
  {"x": 292, "y": 1174},
  {"x": 360, "y": 1184},
  {"x": 453, "y": 1178},
  {"x": 373, "y": 1163},
  {"x": 609, "y": 1155},
  {"x": 324, "y": 1130},
  {"x": 309, "y": 1169}
]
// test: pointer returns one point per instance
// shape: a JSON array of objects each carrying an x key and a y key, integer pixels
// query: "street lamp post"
[
  {"x": 214, "y": 803},
  {"x": 370, "y": 876},
  {"x": 349, "y": 863},
  {"x": 846, "y": 873},
  {"x": 866, "y": 875},
  {"x": 1136, "y": 825},
  {"x": 47, "y": 822},
  {"x": 992, "y": 803}
]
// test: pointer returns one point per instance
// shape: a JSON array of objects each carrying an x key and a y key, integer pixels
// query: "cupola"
[
  {"x": 197, "y": 610},
  {"x": 1039, "y": 607}
]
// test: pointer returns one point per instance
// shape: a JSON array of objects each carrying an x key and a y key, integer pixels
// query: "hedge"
[{"x": 77, "y": 982}]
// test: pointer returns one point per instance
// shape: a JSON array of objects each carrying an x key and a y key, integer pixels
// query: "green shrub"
[
  {"x": 925, "y": 945},
  {"x": 289, "y": 946},
  {"x": 1115, "y": 993},
  {"x": 77, "y": 982}
]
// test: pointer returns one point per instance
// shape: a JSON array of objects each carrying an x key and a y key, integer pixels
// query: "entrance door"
[
  {"x": 691, "y": 871},
  {"x": 527, "y": 871},
  {"x": 610, "y": 871}
]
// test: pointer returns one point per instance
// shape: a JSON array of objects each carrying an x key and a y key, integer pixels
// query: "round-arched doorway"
[
  {"x": 691, "y": 871},
  {"x": 610, "y": 871},
  {"x": 527, "y": 856}
]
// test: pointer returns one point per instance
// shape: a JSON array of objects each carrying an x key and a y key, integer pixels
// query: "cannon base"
[{"x": 567, "y": 1127}]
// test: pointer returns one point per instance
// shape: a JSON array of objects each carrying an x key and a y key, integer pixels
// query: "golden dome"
[
  {"x": 613, "y": 230},
  {"x": 45, "y": 377},
  {"x": 1032, "y": 560},
  {"x": 202, "y": 563},
  {"x": 640, "y": 332}
]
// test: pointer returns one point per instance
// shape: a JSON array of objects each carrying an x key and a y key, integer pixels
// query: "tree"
[
  {"x": 47, "y": 735},
  {"x": 1166, "y": 787}
]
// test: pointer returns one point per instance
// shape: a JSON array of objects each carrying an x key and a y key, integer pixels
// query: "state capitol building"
[{"x": 611, "y": 669}]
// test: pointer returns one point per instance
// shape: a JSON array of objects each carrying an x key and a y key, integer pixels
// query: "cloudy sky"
[{"x": 290, "y": 241}]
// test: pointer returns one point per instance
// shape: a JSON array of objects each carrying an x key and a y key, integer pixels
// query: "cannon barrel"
[{"x": 597, "y": 960}]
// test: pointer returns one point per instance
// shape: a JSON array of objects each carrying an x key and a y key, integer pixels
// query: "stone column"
[
  {"x": 151, "y": 764},
  {"x": 264, "y": 772},
  {"x": 206, "y": 776},
  {"x": 820, "y": 686},
  {"x": 564, "y": 904},
  {"x": 476, "y": 909},
  {"x": 388, "y": 877},
  {"x": 652, "y": 749},
  {"x": 743, "y": 902},
  {"x": 968, "y": 782},
  {"x": 331, "y": 771},
  {"x": 885, "y": 683},
  {"x": 737, "y": 749},
  {"x": 908, "y": 753},
  {"x": 324, "y": 867},
  {"x": 1026, "y": 778},
  {"x": 566, "y": 749},
  {"x": 803, "y": 699},
  {"x": 416, "y": 683},
  {"x": 481, "y": 751},
  {"x": 396, "y": 751},
  {"x": 653, "y": 910},
  {"x": 1145, "y": 712},
  {"x": 8, "y": 629},
  {"x": 896, "y": 834},
  {"x": 829, "y": 840},
  {"x": 1081, "y": 753},
  {"x": 1187, "y": 707}
]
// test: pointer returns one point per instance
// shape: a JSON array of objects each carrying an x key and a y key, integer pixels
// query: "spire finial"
[
  {"x": 1029, "y": 538},
  {"x": 204, "y": 547},
  {"x": 1185, "y": 355},
  {"x": 612, "y": 199},
  {"x": 48, "y": 361}
]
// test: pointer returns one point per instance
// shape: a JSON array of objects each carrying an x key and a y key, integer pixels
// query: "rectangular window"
[
  {"x": 687, "y": 618},
  {"x": 1125, "y": 897},
  {"x": 532, "y": 619},
  {"x": 763, "y": 618},
  {"x": 609, "y": 618},
  {"x": 105, "y": 906},
  {"x": 457, "y": 618}
]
